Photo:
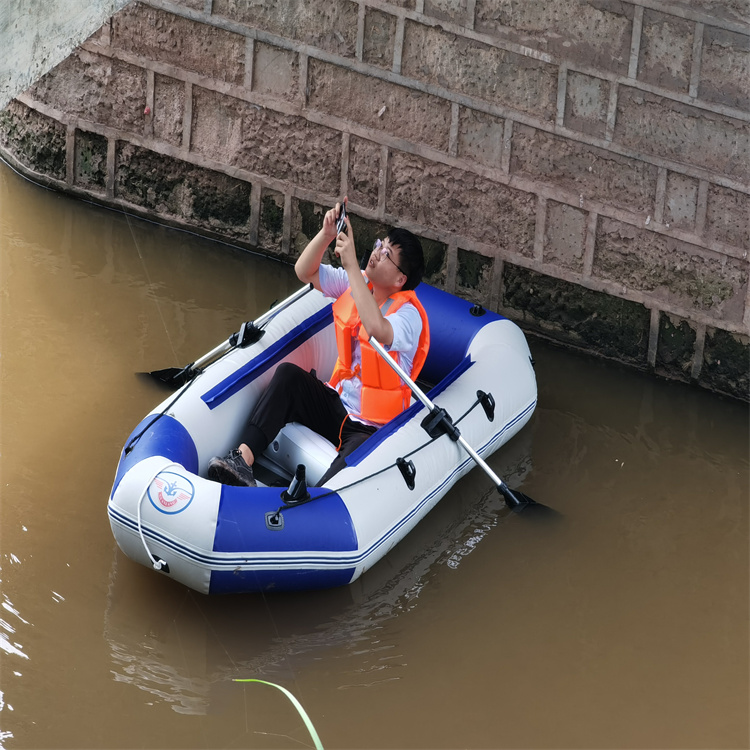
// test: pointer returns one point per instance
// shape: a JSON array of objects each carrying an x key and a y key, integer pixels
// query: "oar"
[
  {"x": 439, "y": 422},
  {"x": 249, "y": 333}
]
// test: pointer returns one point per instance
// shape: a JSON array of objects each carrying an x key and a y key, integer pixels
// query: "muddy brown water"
[{"x": 625, "y": 625}]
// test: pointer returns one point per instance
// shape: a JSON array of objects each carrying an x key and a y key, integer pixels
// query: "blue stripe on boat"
[
  {"x": 268, "y": 358},
  {"x": 229, "y": 562},
  {"x": 162, "y": 436},
  {"x": 324, "y": 524},
  {"x": 239, "y": 581}
]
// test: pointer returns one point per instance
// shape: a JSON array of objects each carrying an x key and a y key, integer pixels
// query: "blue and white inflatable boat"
[{"x": 215, "y": 538}]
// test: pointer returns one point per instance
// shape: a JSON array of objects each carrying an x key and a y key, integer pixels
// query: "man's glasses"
[{"x": 380, "y": 248}]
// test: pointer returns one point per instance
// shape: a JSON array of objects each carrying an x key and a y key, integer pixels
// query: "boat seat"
[{"x": 296, "y": 444}]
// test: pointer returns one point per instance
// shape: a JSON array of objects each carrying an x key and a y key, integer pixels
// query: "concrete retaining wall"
[
  {"x": 36, "y": 35},
  {"x": 582, "y": 166}
]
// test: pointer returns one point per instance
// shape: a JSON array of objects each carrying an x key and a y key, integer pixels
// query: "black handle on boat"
[
  {"x": 438, "y": 422},
  {"x": 249, "y": 333}
]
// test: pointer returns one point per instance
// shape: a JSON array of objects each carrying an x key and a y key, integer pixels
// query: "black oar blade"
[
  {"x": 518, "y": 502},
  {"x": 171, "y": 377},
  {"x": 537, "y": 510}
]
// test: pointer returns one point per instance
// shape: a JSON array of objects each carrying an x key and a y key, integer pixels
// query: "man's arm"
[
  {"x": 375, "y": 323},
  {"x": 308, "y": 264}
]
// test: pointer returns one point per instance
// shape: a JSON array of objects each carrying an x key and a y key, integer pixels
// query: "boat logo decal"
[{"x": 170, "y": 492}]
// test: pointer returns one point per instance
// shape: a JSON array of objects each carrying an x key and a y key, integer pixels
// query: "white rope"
[{"x": 157, "y": 564}]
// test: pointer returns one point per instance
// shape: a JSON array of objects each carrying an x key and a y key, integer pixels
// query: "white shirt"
[{"x": 407, "y": 328}]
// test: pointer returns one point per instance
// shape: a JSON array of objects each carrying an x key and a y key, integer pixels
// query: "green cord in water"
[{"x": 297, "y": 705}]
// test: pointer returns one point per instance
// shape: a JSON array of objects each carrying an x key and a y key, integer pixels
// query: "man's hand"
[
  {"x": 330, "y": 220},
  {"x": 369, "y": 312},
  {"x": 308, "y": 264},
  {"x": 346, "y": 250}
]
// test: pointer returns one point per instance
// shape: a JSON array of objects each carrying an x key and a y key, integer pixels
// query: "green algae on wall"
[
  {"x": 36, "y": 140},
  {"x": 91, "y": 160},
  {"x": 176, "y": 189},
  {"x": 611, "y": 326},
  {"x": 474, "y": 275},
  {"x": 726, "y": 363},
  {"x": 674, "y": 353}
]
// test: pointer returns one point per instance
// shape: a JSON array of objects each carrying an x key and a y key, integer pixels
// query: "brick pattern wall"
[{"x": 583, "y": 166}]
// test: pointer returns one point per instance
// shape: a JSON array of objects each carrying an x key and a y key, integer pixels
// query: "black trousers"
[{"x": 294, "y": 395}]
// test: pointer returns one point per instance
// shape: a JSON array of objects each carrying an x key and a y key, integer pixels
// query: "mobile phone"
[{"x": 341, "y": 222}]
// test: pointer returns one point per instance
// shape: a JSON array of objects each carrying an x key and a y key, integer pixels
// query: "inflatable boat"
[{"x": 476, "y": 390}]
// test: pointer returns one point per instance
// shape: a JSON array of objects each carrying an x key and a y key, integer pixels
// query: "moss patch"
[
  {"x": 229, "y": 206},
  {"x": 669, "y": 269},
  {"x": 271, "y": 222},
  {"x": 272, "y": 213},
  {"x": 473, "y": 270},
  {"x": 675, "y": 348},
  {"x": 91, "y": 160},
  {"x": 35, "y": 140},
  {"x": 435, "y": 254},
  {"x": 726, "y": 363},
  {"x": 571, "y": 314},
  {"x": 200, "y": 197}
]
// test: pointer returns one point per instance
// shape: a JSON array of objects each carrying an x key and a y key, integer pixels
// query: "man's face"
[{"x": 383, "y": 266}]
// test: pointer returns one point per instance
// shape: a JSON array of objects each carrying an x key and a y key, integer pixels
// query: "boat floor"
[{"x": 269, "y": 476}]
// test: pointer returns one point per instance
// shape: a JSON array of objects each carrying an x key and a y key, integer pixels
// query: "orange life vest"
[{"x": 383, "y": 395}]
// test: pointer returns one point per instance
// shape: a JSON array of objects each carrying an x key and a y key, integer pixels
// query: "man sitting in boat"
[{"x": 363, "y": 392}]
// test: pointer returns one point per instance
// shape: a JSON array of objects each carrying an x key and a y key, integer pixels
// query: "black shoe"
[{"x": 231, "y": 470}]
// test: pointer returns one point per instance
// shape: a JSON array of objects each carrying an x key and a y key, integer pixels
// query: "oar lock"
[
  {"x": 248, "y": 334},
  {"x": 296, "y": 494},
  {"x": 488, "y": 404},
  {"x": 477, "y": 310},
  {"x": 408, "y": 471},
  {"x": 438, "y": 422}
]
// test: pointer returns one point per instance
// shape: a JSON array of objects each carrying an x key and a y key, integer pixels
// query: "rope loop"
[{"x": 157, "y": 563}]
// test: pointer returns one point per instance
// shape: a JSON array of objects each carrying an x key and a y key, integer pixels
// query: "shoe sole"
[{"x": 224, "y": 475}]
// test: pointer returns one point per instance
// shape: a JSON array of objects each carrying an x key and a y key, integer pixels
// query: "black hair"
[{"x": 411, "y": 256}]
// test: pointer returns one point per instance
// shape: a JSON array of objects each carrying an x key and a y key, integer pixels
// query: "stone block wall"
[{"x": 582, "y": 166}]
